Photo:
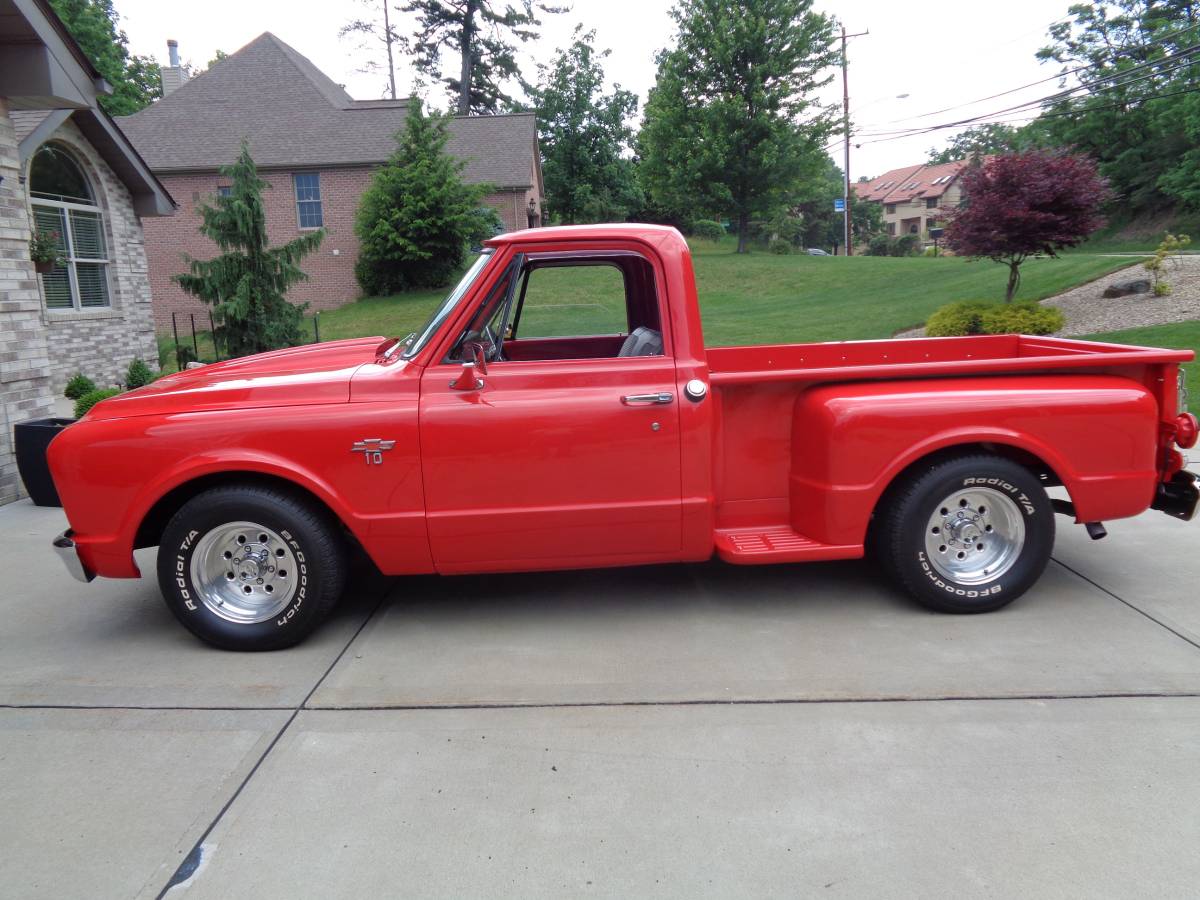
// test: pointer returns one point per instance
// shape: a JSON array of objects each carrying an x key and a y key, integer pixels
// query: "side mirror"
[{"x": 470, "y": 378}]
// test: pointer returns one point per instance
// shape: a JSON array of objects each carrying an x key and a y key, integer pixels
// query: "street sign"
[{"x": 839, "y": 205}]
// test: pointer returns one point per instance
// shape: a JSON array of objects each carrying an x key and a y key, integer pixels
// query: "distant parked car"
[{"x": 816, "y": 251}]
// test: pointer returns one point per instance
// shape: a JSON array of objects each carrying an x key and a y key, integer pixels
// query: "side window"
[{"x": 574, "y": 300}]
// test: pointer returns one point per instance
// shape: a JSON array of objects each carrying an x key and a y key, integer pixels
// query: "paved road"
[{"x": 663, "y": 732}]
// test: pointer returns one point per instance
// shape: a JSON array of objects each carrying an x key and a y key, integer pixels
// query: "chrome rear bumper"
[{"x": 67, "y": 552}]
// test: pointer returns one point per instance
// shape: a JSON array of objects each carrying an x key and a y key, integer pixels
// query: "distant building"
[
  {"x": 915, "y": 198},
  {"x": 315, "y": 146}
]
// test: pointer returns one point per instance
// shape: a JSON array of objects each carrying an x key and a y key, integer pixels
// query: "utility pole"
[
  {"x": 846, "y": 130},
  {"x": 387, "y": 36}
]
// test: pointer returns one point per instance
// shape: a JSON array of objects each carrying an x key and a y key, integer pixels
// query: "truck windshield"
[{"x": 429, "y": 329}]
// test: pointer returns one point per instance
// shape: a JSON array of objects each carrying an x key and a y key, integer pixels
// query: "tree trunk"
[
  {"x": 468, "y": 60},
  {"x": 743, "y": 225},
  {"x": 1014, "y": 281}
]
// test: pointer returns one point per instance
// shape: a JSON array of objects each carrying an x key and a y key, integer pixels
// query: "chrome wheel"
[
  {"x": 974, "y": 535},
  {"x": 244, "y": 572}
]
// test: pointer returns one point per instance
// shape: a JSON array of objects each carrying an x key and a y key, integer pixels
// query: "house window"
[
  {"x": 224, "y": 190},
  {"x": 64, "y": 205},
  {"x": 931, "y": 202},
  {"x": 308, "y": 199},
  {"x": 891, "y": 208},
  {"x": 891, "y": 228}
]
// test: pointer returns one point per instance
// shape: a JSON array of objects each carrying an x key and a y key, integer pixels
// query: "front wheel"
[
  {"x": 250, "y": 568},
  {"x": 967, "y": 535}
]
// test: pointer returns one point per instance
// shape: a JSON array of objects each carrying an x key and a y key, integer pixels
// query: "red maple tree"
[{"x": 1019, "y": 205}]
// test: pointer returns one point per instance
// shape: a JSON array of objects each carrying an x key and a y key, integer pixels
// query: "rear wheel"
[
  {"x": 967, "y": 535},
  {"x": 250, "y": 568}
]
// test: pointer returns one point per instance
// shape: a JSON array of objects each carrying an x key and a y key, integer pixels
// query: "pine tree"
[
  {"x": 415, "y": 220},
  {"x": 484, "y": 35},
  {"x": 246, "y": 284}
]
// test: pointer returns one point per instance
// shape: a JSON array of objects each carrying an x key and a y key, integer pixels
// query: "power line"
[
  {"x": 1048, "y": 115},
  {"x": 1060, "y": 75},
  {"x": 1181, "y": 59}
]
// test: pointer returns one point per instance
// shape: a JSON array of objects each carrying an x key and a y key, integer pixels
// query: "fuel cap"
[{"x": 695, "y": 390}]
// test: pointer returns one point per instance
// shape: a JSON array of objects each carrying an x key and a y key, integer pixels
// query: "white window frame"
[
  {"x": 320, "y": 201},
  {"x": 71, "y": 258}
]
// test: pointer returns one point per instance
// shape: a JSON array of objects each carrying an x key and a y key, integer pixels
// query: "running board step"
[{"x": 776, "y": 544}]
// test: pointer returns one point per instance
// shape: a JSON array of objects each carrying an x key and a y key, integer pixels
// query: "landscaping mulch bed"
[{"x": 1088, "y": 312}]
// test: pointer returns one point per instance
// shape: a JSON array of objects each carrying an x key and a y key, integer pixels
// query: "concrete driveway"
[{"x": 661, "y": 732}]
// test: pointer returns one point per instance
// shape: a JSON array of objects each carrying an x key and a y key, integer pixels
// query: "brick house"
[
  {"x": 914, "y": 198},
  {"x": 65, "y": 167},
  {"x": 316, "y": 147}
]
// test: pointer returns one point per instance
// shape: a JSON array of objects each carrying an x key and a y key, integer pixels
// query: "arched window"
[{"x": 64, "y": 205}]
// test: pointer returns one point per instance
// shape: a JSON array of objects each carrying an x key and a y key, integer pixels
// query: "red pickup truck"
[{"x": 488, "y": 442}]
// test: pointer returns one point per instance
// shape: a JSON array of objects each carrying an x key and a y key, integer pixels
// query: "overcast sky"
[{"x": 941, "y": 53}]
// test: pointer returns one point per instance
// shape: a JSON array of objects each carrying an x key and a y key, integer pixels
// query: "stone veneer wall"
[
  {"x": 331, "y": 269},
  {"x": 102, "y": 342},
  {"x": 25, "y": 381}
]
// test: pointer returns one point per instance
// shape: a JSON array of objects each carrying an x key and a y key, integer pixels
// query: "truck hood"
[{"x": 298, "y": 376}]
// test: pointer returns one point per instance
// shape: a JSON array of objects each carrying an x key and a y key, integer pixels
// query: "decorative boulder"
[{"x": 1125, "y": 288}]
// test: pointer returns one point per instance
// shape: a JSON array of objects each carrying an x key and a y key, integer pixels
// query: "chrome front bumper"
[{"x": 67, "y": 552}]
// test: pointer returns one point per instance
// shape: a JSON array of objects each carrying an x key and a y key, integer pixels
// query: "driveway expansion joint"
[
  {"x": 1134, "y": 607},
  {"x": 191, "y": 860}
]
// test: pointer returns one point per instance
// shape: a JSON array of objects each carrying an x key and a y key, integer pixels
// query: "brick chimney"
[{"x": 174, "y": 74}]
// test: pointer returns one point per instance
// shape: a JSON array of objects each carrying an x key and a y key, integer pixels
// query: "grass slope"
[
  {"x": 763, "y": 298},
  {"x": 1179, "y": 336}
]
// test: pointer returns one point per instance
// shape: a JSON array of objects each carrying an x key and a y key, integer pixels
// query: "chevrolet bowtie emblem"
[{"x": 372, "y": 449}]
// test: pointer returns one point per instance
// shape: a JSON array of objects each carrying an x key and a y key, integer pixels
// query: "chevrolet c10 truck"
[{"x": 490, "y": 442}]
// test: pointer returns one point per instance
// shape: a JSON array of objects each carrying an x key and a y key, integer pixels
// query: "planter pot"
[
  {"x": 33, "y": 437},
  {"x": 44, "y": 268}
]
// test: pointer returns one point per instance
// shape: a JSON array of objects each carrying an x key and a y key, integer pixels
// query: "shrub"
[
  {"x": 79, "y": 385},
  {"x": 780, "y": 247},
  {"x": 1161, "y": 289},
  {"x": 905, "y": 245},
  {"x": 879, "y": 245},
  {"x": 1023, "y": 317},
  {"x": 975, "y": 317},
  {"x": 138, "y": 374},
  {"x": 708, "y": 230},
  {"x": 90, "y": 399},
  {"x": 956, "y": 319}
]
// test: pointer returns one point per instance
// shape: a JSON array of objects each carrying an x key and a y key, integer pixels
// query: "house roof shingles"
[
  {"x": 910, "y": 183},
  {"x": 297, "y": 117}
]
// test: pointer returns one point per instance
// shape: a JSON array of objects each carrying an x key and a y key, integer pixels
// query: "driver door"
[{"x": 551, "y": 463}]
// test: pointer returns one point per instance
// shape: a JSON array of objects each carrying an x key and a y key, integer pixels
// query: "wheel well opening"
[
  {"x": 1038, "y": 467},
  {"x": 151, "y": 528}
]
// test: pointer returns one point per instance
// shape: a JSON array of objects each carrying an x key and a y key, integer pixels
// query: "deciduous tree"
[
  {"x": 1021, "y": 204},
  {"x": 135, "y": 79},
  {"x": 584, "y": 137},
  {"x": 245, "y": 285},
  {"x": 415, "y": 220},
  {"x": 732, "y": 124}
]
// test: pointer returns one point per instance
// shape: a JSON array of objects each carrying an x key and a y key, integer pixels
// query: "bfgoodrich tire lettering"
[
  {"x": 250, "y": 568},
  {"x": 966, "y": 535}
]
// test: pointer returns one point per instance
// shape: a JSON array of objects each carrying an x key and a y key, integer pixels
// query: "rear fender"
[{"x": 1097, "y": 434}]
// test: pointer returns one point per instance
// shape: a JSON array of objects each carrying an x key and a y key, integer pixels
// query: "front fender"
[{"x": 1097, "y": 433}]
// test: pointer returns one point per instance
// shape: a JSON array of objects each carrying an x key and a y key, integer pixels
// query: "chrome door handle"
[{"x": 660, "y": 397}]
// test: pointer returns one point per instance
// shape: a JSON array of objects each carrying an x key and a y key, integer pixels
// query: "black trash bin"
[{"x": 32, "y": 438}]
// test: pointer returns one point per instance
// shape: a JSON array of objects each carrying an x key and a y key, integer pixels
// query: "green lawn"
[
  {"x": 1180, "y": 336},
  {"x": 764, "y": 298}
]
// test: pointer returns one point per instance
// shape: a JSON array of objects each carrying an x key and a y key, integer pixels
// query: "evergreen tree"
[
  {"x": 415, "y": 220},
  {"x": 135, "y": 79},
  {"x": 484, "y": 35},
  {"x": 584, "y": 137},
  {"x": 731, "y": 124},
  {"x": 246, "y": 283}
]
